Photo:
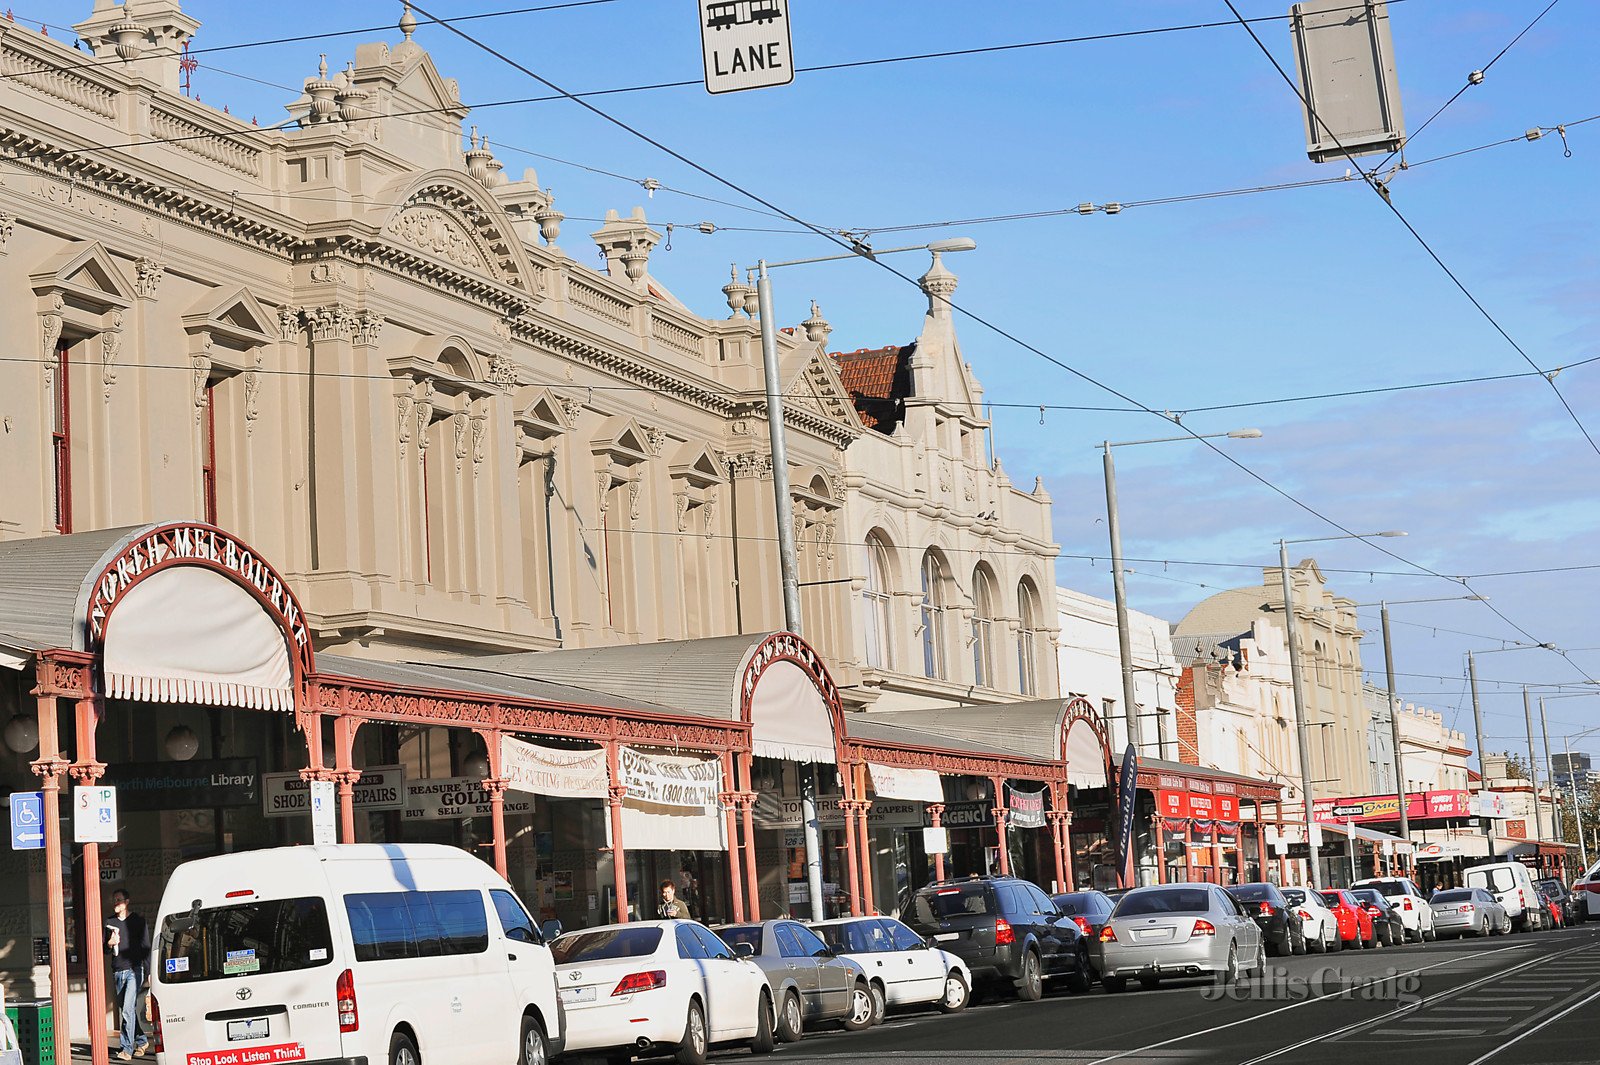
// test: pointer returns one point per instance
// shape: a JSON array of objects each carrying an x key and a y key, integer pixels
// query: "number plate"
[
  {"x": 248, "y": 1028},
  {"x": 577, "y": 994},
  {"x": 945, "y": 937}
]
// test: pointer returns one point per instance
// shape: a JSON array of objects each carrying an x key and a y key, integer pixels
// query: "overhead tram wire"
[
  {"x": 1388, "y": 201},
  {"x": 985, "y": 322},
  {"x": 1475, "y": 78}
]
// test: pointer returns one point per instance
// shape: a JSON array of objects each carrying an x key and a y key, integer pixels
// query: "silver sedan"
[
  {"x": 1179, "y": 930},
  {"x": 1468, "y": 912}
]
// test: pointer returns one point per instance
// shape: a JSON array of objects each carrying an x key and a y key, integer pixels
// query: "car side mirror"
[
  {"x": 551, "y": 929},
  {"x": 744, "y": 950},
  {"x": 824, "y": 953}
]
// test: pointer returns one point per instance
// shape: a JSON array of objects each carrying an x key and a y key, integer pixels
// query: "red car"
[{"x": 1355, "y": 921}]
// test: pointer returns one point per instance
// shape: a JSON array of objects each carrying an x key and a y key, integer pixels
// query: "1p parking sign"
[{"x": 94, "y": 814}]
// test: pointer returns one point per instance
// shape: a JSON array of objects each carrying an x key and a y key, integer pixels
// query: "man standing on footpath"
[
  {"x": 672, "y": 907},
  {"x": 128, "y": 940}
]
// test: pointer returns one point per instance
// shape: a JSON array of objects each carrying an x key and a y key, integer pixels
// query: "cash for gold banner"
[
  {"x": 681, "y": 782},
  {"x": 571, "y": 774}
]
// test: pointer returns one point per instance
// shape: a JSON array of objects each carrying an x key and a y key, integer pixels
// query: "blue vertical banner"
[{"x": 1127, "y": 800}]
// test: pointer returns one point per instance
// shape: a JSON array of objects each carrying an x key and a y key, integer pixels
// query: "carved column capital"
[{"x": 148, "y": 273}]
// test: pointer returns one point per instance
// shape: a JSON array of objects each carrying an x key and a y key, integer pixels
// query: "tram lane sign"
[
  {"x": 745, "y": 44},
  {"x": 27, "y": 820}
]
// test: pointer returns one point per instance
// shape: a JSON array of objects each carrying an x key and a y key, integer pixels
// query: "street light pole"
[
  {"x": 1394, "y": 724},
  {"x": 1130, "y": 710},
  {"x": 1289, "y": 628},
  {"x": 782, "y": 501},
  {"x": 1577, "y": 804},
  {"x": 1477, "y": 739},
  {"x": 1533, "y": 767}
]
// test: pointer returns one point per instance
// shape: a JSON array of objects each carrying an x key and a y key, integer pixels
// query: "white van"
[
  {"x": 350, "y": 955},
  {"x": 1512, "y": 886}
]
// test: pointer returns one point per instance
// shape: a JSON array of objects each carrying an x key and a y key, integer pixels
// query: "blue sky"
[{"x": 1181, "y": 306}]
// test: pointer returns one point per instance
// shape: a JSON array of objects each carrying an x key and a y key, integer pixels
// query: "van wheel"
[
  {"x": 534, "y": 1050},
  {"x": 692, "y": 1048},
  {"x": 764, "y": 1042},
  {"x": 402, "y": 1051},
  {"x": 790, "y": 1024}
]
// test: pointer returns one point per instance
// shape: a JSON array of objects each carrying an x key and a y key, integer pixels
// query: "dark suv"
[
  {"x": 1006, "y": 930},
  {"x": 1282, "y": 929}
]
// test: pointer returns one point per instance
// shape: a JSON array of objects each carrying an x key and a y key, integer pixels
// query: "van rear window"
[
  {"x": 391, "y": 925},
  {"x": 265, "y": 936}
]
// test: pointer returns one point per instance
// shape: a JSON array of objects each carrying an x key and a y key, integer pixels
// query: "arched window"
[
  {"x": 931, "y": 617},
  {"x": 1027, "y": 638},
  {"x": 1319, "y": 659},
  {"x": 876, "y": 596},
  {"x": 983, "y": 671}
]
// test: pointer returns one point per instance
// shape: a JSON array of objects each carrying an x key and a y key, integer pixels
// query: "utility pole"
[
  {"x": 1130, "y": 710},
  {"x": 789, "y": 567},
  {"x": 1560, "y": 833},
  {"x": 1577, "y": 807},
  {"x": 1533, "y": 767},
  {"x": 1394, "y": 725},
  {"x": 1290, "y": 629},
  {"x": 1477, "y": 724}
]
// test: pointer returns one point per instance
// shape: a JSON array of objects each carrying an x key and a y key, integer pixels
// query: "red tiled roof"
[{"x": 878, "y": 380}]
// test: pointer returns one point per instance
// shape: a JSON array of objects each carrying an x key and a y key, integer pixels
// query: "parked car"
[
  {"x": 1408, "y": 901},
  {"x": 1468, "y": 912},
  {"x": 1180, "y": 930},
  {"x": 1355, "y": 923},
  {"x": 1319, "y": 926},
  {"x": 1089, "y": 910},
  {"x": 655, "y": 987},
  {"x": 1388, "y": 928},
  {"x": 1281, "y": 927},
  {"x": 809, "y": 981},
  {"x": 1512, "y": 886},
  {"x": 394, "y": 953},
  {"x": 1586, "y": 889},
  {"x": 1006, "y": 930},
  {"x": 1561, "y": 901},
  {"x": 1543, "y": 916},
  {"x": 902, "y": 963}
]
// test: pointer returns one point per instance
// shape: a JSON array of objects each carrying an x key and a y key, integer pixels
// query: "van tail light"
[
  {"x": 647, "y": 981},
  {"x": 1108, "y": 934},
  {"x": 1083, "y": 925},
  {"x": 1004, "y": 934},
  {"x": 345, "y": 994},
  {"x": 1203, "y": 927},
  {"x": 1264, "y": 910},
  {"x": 155, "y": 1026}
]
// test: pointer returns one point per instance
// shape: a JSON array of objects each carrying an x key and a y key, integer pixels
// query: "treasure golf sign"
[{"x": 745, "y": 44}]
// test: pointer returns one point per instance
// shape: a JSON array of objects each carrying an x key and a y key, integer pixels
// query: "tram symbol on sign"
[{"x": 721, "y": 16}]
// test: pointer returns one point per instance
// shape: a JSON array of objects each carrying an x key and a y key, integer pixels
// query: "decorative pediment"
[
  {"x": 85, "y": 275},
  {"x": 446, "y": 217},
  {"x": 237, "y": 320},
  {"x": 821, "y": 390},
  {"x": 623, "y": 441},
  {"x": 540, "y": 414},
  {"x": 700, "y": 465}
]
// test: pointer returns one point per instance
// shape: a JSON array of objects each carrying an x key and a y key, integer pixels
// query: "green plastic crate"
[{"x": 36, "y": 1031}]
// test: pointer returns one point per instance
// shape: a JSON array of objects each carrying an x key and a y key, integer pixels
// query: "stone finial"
[
  {"x": 752, "y": 295},
  {"x": 407, "y": 49},
  {"x": 626, "y": 243},
  {"x": 408, "y": 22},
  {"x": 735, "y": 291},
  {"x": 152, "y": 31},
  {"x": 323, "y": 93},
  {"x": 938, "y": 284},
  {"x": 816, "y": 327}
]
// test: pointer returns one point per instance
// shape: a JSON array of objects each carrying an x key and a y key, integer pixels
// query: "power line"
[{"x": 1383, "y": 194}]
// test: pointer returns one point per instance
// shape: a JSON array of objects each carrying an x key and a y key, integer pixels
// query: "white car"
[
  {"x": 1319, "y": 924},
  {"x": 653, "y": 987},
  {"x": 339, "y": 954},
  {"x": 908, "y": 971},
  {"x": 1416, "y": 916},
  {"x": 1585, "y": 899}
]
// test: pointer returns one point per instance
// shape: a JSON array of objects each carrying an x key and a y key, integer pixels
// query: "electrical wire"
[{"x": 1383, "y": 194}]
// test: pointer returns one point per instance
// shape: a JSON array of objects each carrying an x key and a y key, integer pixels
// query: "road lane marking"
[
  {"x": 1544, "y": 1023},
  {"x": 1305, "y": 1002}
]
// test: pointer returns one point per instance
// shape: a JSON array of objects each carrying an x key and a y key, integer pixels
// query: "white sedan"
[
  {"x": 901, "y": 966},
  {"x": 656, "y": 987},
  {"x": 1319, "y": 923}
]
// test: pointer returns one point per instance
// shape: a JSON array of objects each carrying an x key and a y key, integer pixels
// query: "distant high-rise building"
[{"x": 1575, "y": 768}]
